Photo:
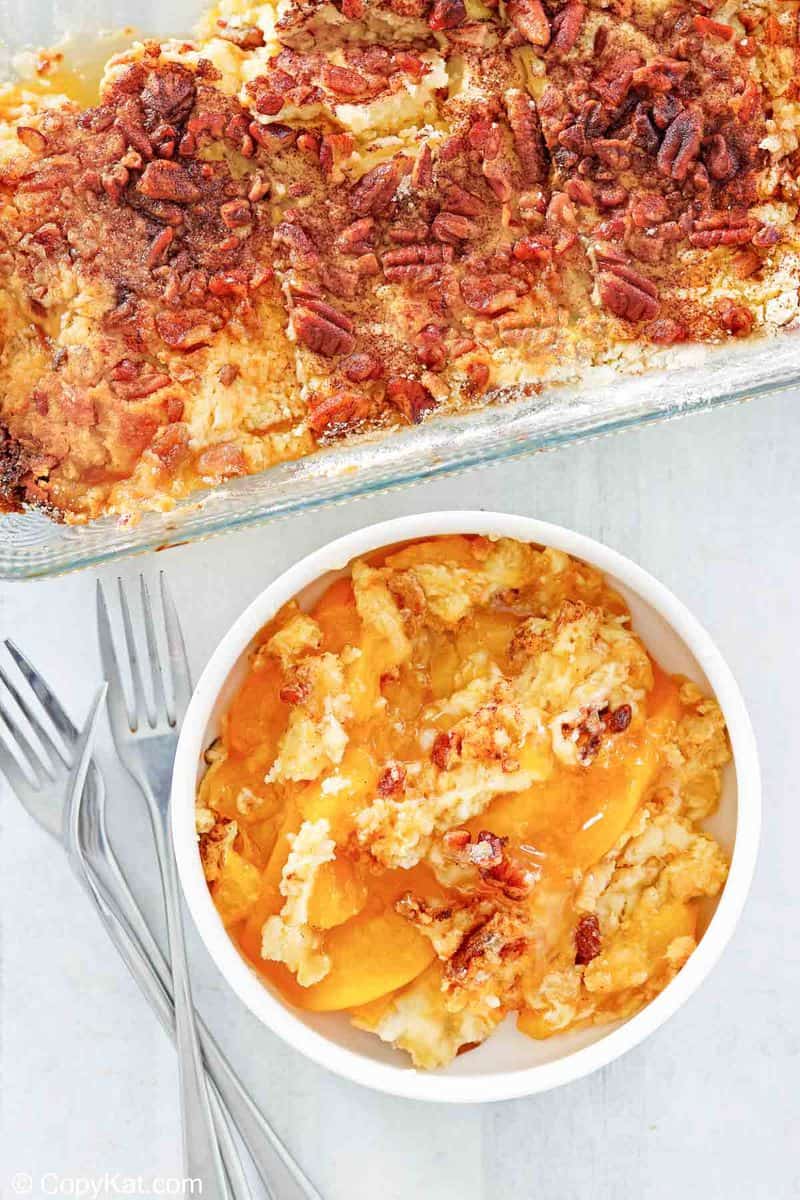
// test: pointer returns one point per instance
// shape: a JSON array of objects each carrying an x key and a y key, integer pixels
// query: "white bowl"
[{"x": 508, "y": 1064}]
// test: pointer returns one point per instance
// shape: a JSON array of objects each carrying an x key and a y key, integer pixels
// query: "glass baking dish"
[
  {"x": 32, "y": 546},
  {"x": 695, "y": 379}
]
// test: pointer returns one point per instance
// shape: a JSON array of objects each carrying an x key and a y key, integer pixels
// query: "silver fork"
[
  {"x": 82, "y": 827},
  {"x": 45, "y": 786},
  {"x": 146, "y": 743}
]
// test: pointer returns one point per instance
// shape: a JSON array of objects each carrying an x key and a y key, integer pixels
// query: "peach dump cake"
[
  {"x": 459, "y": 787},
  {"x": 320, "y": 218}
]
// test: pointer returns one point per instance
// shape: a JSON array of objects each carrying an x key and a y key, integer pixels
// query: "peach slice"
[
  {"x": 340, "y": 795},
  {"x": 237, "y": 889},
  {"x": 370, "y": 955},
  {"x": 336, "y": 614},
  {"x": 452, "y": 550},
  {"x": 257, "y": 717},
  {"x": 339, "y": 893}
]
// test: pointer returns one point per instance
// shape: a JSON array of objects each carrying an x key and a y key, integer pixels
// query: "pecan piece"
[
  {"x": 490, "y": 294},
  {"x": 413, "y": 400},
  {"x": 528, "y": 140},
  {"x": 246, "y": 37},
  {"x": 446, "y": 749},
  {"x": 719, "y": 160},
  {"x": 170, "y": 92},
  {"x": 185, "y": 330},
  {"x": 567, "y": 26},
  {"x": 681, "y": 145},
  {"x": 322, "y": 329},
  {"x": 354, "y": 239},
  {"x": 222, "y": 461},
  {"x": 530, "y": 20},
  {"x": 360, "y": 367},
  {"x": 164, "y": 180},
  {"x": 391, "y": 780},
  {"x": 33, "y": 139},
  {"x": 451, "y": 227},
  {"x": 338, "y": 408},
  {"x": 715, "y": 29},
  {"x": 374, "y": 191},
  {"x": 447, "y": 14},
  {"x": 588, "y": 942},
  {"x": 735, "y": 318},
  {"x": 627, "y": 294}
]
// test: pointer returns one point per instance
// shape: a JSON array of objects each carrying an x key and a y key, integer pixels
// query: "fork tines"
[
  {"x": 171, "y": 669},
  {"x": 47, "y": 762}
]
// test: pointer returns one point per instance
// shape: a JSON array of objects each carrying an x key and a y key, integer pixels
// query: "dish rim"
[{"x": 408, "y": 1082}]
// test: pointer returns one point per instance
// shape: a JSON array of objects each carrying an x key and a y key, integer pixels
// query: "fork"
[
  {"x": 82, "y": 827},
  {"x": 146, "y": 741}
]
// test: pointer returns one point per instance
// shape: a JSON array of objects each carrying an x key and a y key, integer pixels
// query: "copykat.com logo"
[{"x": 108, "y": 1183}]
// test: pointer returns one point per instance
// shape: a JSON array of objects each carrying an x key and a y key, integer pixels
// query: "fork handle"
[
  {"x": 131, "y": 936},
  {"x": 201, "y": 1147}
]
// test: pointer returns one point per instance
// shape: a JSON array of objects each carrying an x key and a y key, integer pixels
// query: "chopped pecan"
[
  {"x": 719, "y": 160},
  {"x": 661, "y": 74},
  {"x": 457, "y": 199},
  {"x": 302, "y": 251},
  {"x": 413, "y": 400},
  {"x": 246, "y": 37},
  {"x": 162, "y": 180},
  {"x": 766, "y": 237},
  {"x": 446, "y": 749},
  {"x": 345, "y": 81},
  {"x": 354, "y": 239},
  {"x": 222, "y": 461},
  {"x": 626, "y": 293},
  {"x": 422, "y": 170},
  {"x": 451, "y": 227},
  {"x": 295, "y": 689},
  {"x": 33, "y": 139},
  {"x": 567, "y": 25},
  {"x": 618, "y": 720},
  {"x": 391, "y": 780},
  {"x": 338, "y": 408},
  {"x": 490, "y": 294},
  {"x": 373, "y": 193},
  {"x": 529, "y": 19},
  {"x": 709, "y": 28},
  {"x": 170, "y": 92},
  {"x": 323, "y": 329},
  {"x": 681, "y": 145},
  {"x": 735, "y": 318},
  {"x": 358, "y": 368},
  {"x": 228, "y": 373},
  {"x": 447, "y": 14},
  {"x": 648, "y": 210},
  {"x": 185, "y": 330},
  {"x": 588, "y": 942},
  {"x": 236, "y": 213},
  {"x": 171, "y": 446},
  {"x": 430, "y": 348},
  {"x": 536, "y": 250},
  {"x": 526, "y": 128},
  {"x": 159, "y": 247},
  {"x": 666, "y": 332}
]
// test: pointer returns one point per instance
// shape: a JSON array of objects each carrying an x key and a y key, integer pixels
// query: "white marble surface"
[{"x": 707, "y": 1108}]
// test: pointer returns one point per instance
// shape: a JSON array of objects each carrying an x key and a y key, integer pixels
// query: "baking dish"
[
  {"x": 32, "y": 546},
  {"x": 686, "y": 379}
]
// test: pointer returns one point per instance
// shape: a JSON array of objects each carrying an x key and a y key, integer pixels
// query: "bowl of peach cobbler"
[{"x": 465, "y": 805}]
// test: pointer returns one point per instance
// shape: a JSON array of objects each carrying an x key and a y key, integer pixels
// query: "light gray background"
[{"x": 707, "y": 1108}]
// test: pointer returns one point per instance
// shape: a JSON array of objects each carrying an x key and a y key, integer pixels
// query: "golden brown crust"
[{"x": 383, "y": 209}]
